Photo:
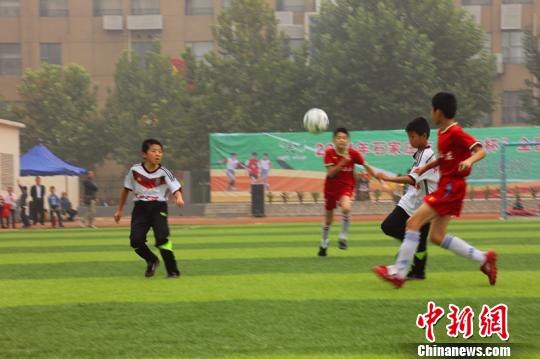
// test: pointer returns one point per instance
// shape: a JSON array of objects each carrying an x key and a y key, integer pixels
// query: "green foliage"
[
  {"x": 58, "y": 105},
  {"x": 147, "y": 101},
  {"x": 530, "y": 101},
  {"x": 376, "y": 64}
]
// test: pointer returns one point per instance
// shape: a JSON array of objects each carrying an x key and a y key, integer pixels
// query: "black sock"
[
  {"x": 169, "y": 260},
  {"x": 145, "y": 253}
]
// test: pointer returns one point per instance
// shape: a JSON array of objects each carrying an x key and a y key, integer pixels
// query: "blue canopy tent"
[{"x": 39, "y": 161}]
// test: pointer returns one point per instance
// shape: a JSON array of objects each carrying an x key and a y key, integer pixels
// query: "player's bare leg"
[
  {"x": 345, "y": 204},
  {"x": 328, "y": 219},
  {"x": 487, "y": 260}
]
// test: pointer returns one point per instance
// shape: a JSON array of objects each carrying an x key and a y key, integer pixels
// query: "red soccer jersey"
[
  {"x": 253, "y": 166},
  {"x": 454, "y": 146},
  {"x": 345, "y": 177}
]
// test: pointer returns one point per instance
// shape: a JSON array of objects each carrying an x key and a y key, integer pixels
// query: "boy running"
[
  {"x": 151, "y": 184},
  {"x": 418, "y": 187},
  {"x": 339, "y": 185},
  {"x": 458, "y": 151}
]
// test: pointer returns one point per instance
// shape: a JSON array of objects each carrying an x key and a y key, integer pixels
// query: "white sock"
[
  {"x": 345, "y": 222},
  {"x": 324, "y": 240},
  {"x": 406, "y": 252},
  {"x": 464, "y": 249}
]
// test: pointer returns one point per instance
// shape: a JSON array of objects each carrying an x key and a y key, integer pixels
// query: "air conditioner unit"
[
  {"x": 284, "y": 17},
  {"x": 144, "y": 22},
  {"x": 511, "y": 17},
  {"x": 113, "y": 22},
  {"x": 499, "y": 63}
]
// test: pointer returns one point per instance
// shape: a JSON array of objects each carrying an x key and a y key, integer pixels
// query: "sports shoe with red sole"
[
  {"x": 489, "y": 267},
  {"x": 382, "y": 272}
]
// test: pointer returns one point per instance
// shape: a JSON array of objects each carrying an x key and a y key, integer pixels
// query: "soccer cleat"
[
  {"x": 382, "y": 272},
  {"x": 151, "y": 269},
  {"x": 342, "y": 243},
  {"x": 416, "y": 276},
  {"x": 322, "y": 252},
  {"x": 173, "y": 275},
  {"x": 489, "y": 267}
]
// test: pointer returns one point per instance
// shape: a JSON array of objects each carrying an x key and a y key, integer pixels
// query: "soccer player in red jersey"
[
  {"x": 339, "y": 185},
  {"x": 457, "y": 152}
]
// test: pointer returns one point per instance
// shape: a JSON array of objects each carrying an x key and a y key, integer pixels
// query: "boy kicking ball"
[
  {"x": 339, "y": 185},
  {"x": 458, "y": 151},
  {"x": 419, "y": 186},
  {"x": 151, "y": 185}
]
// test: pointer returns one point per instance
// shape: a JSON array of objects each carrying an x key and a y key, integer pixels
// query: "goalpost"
[{"x": 520, "y": 180}]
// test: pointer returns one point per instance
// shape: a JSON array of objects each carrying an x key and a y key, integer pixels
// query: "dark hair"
[
  {"x": 149, "y": 142},
  {"x": 265, "y": 154},
  {"x": 254, "y": 153},
  {"x": 418, "y": 125},
  {"x": 341, "y": 130},
  {"x": 446, "y": 102}
]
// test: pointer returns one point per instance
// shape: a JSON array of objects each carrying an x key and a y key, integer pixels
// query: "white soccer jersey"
[
  {"x": 232, "y": 164},
  {"x": 265, "y": 164},
  {"x": 151, "y": 186},
  {"x": 425, "y": 184}
]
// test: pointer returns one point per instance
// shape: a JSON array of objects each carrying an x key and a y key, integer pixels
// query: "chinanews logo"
[{"x": 492, "y": 322}]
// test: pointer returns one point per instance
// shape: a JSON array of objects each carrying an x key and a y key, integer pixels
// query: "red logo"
[
  {"x": 494, "y": 321},
  {"x": 429, "y": 319}
]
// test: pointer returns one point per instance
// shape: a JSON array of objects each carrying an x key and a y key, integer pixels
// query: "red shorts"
[
  {"x": 447, "y": 200},
  {"x": 332, "y": 196}
]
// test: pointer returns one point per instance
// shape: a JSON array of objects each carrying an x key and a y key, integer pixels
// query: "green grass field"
[{"x": 250, "y": 291}]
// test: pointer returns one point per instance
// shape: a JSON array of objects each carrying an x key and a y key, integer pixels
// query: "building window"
[
  {"x": 10, "y": 59},
  {"x": 107, "y": 7},
  {"x": 199, "y": 7},
  {"x": 513, "y": 50},
  {"x": 51, "y": 53},
  {"x": 517, "y": 1},
  {"x": 290, "y": 5},
  {"x": 512, "y": 107},
  {"x": 200, "y": 48},
  {"x": 145, "y": 7},
  {"x": 141, "y": 50},
  {"x": 10, "y": 8},
  {"x": 475, "y": 2},
  {"x": 52, "y": 8}
]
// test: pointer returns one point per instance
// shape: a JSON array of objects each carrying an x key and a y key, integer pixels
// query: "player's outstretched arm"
[
  {"x": 424, "y": 169},
  {"x": 395, "y": 179},
  {"x": 478, "y": 154},
  {"x": 121, "y": 202},
  {"x": 370, "y": 170}
]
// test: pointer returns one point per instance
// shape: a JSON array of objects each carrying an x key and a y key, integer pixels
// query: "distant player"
[
  {"x": 458, "y": 151},
  {"x": 252, "y": 168},
  {"x": 417, "y": 187},
  {"x": 232, "y": 164},
  {"x": 266, "y": 165},
  {"x": 151, "y": 185},
  {"x": 339, "y": 185}
]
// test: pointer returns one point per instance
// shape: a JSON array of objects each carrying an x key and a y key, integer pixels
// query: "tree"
[
  {"x": 530, "y": 100},
  {"x": 148, "y": 101},
  {"x": 58, "y": 105},
  {"x": 376, "y": 64}
]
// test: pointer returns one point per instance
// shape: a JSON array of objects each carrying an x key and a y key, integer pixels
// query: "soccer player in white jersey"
[
  {"x": 419, "y": 186},
  {"x": 151, "y": 184},
  {"x": 266, "y": 165}
]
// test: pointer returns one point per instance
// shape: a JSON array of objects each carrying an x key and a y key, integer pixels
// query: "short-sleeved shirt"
[
  {"x": 345, "y": 177},
  {"x": 151, "y": 186},
  {"x": 265, "y": 164},
  {"x": 424, "y": 184},
  {"x": 253, "y": 166},
  {"x": 454, "y": 146},
  {"x": 232, "y": 164}
]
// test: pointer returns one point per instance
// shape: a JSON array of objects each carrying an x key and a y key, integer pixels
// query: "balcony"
[{"x": 144, "y": 22}]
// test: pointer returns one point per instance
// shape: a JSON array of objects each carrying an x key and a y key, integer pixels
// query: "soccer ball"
[{"x": 315, "y": 120}]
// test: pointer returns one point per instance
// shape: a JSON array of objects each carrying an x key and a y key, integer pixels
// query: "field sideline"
[{"x": 250, "y": 291}]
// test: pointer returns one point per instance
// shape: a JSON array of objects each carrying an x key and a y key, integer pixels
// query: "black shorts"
[
  {"x": 146, "y": 215},
  {"x": 395, "y": 223}
]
